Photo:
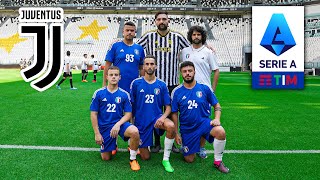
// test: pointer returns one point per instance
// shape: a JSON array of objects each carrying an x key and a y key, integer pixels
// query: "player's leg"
[
  {"x": 128, "y": 131},
  {"x": 82, "y": 72},
  {"x": 85, "y": 75},
  {"x": 190, "y": 144},
  {"x": 106, "y": 156},
  {"x": 219, "y": 143},
  {"x": 144, "y": 153},
  {"x": 61, "y": 81},
  {"x": 94, "y": 76},
  {"x": 108, "y": 144},
  {"x": 169, "y": 127},
  {"x": 71, "y": 84}
]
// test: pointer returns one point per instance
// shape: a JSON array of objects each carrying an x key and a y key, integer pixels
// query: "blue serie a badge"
[{"x": 278, "y": 47}]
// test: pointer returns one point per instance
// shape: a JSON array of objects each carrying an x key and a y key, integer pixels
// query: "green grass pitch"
[{"x": 253, "y": 120}]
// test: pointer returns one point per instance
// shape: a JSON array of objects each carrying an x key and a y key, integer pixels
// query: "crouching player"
[
  {"x": 192, "y": 99},
  {"x": 110, "y": 112},
  {"x": 149, "y": 96}
]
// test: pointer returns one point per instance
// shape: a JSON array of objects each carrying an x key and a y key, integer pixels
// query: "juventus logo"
[{"x": 45, "y": 71}]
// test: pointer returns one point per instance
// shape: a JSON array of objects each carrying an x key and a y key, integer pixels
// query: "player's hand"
[
  {"x": 178, "y": 139},
  {"x": 114, "y": 131},
  {"x": 215, "y": 122},
  {"x": 159, "y": 123},
  {"x": 98, "y": 138}
]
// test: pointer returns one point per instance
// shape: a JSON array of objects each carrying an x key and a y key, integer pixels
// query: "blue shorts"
[
  {"x": 146, "y": 132},
  {"x": 110, "y": 143},
  {"x": 191, "y": 140}
]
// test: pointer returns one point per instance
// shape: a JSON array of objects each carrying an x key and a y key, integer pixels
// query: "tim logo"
[
  {"x": 46, "y": 27},
  {"x": 278, "y": 37},
  {"x": 278, "y": 80}
]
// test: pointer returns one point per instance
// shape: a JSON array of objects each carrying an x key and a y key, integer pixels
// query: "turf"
[{"x": 253, "y": 120}]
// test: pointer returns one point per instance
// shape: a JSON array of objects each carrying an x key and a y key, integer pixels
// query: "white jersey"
[
  {"x": 204, "y": 62},
  {"x": 67, "y": 60},
  {"x": 95, "y": 64},
  {"x": 84, "y": 65}
]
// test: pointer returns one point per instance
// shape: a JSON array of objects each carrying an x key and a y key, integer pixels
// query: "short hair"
[
  {"x": 113, "y": 68},
  {"x": 68, "y": 53},
  {"x": 199, "y": 29},
  {"x": 185, "y": 64},
  {"x": 92, "y": 56},
  {"x": 151, "y": 56},
  {"x": 130, "y": 24},
  {"x": 85, "y": 54},
  {"x": 160, "y": 12}
]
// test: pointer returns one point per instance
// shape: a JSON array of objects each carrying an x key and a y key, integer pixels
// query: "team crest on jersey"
[
  {"x": 136, "y": 51},
  {"x": 157, "y": 91},
  {"x": 170, "y": 42},
  {"x": 118, "y": 100},
  {"x": 185, "y": 149},
  {"x": 199, "y": 94},
  {"x": 187, "y": 56}
]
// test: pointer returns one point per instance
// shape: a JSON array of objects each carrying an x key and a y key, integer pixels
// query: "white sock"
[
  {"x": 167, "y": 148},
  {"x": 218, "y": 146},
  {"x": 133, "y": 154}
]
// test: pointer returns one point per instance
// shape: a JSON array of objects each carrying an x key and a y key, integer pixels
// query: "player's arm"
[
  {"x": 159, "y": 123},
  {"x": 106, "y": 67},
  {"x": 214, "y": 79},
  {"x": 94, "y": 121},
  {"x": 174, "y": 117},
  {"x": 217, "y": 114},
  {"x": 116, "y": 128}
]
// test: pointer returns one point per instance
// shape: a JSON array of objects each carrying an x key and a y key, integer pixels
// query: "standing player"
[
  {"x": 95, "y": 68},
  {"x": 205, "y": 63},
  {"x": 164, "y": 44},
  {"x": 110, "y": 112},
  {"x": 84, "y": 68},
  {"x": 148, "y": 96},
  {"x": 126, "y": 55},
  {"x": 202, "y": 57},
  {"x": 192, "y": 99},
  {"x": 67, "y": 72}
]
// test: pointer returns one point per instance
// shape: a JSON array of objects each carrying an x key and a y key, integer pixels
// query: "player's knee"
[
  {"x": 134, "y": 134},
  {"x": 220, "y": 133},
  {"x": 105, "y": 157},
  {"x": 189, "y": 159},
  {"x": 145, "y": 156},
  {"x": 170, "y": 128}
]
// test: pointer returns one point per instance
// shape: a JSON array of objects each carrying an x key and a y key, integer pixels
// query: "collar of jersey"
[{"x": 165, "y": 34}]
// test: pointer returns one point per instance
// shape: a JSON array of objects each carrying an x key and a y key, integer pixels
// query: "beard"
[
  {"x": 150, "y": 71},
  {"x": 162, "y": 27},
  {"x": 188, "y": 81},
  {"x": 196, "y": 41}
]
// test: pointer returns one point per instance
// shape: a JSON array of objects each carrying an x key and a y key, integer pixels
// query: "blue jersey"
[
  {"x": 110, "y": 106},
  {"x": 193, "y": 105},
  {"x": 128, "y": 59},
  {"x": 148, "y": 100}
]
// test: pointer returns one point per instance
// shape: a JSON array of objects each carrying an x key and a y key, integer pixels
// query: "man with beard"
[
  {"x": 202, "y": 57},
  {"x": 126, "y": 55},
  {"x": 205, "y": 63},
  {"x": 164, "y": 44},
  {"x": 149, "y": 95},
  {"x": 192, "y": 99}
]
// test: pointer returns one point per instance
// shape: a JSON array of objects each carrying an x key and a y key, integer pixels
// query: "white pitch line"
[{"x": 59, "y": 148}]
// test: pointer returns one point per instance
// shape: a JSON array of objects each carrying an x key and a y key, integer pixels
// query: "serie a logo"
[{"x": 278, "y": 37}]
